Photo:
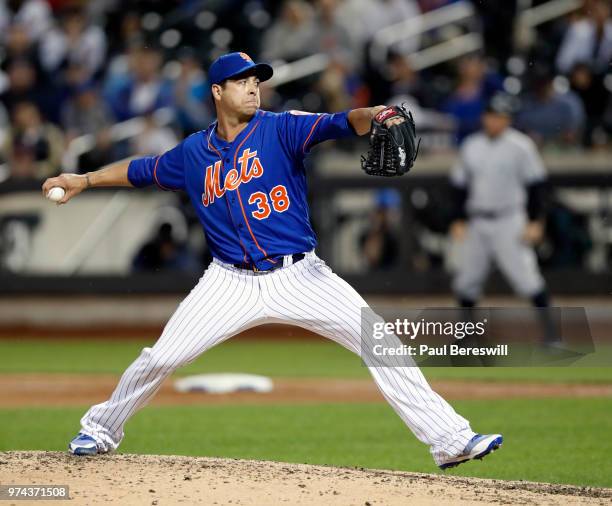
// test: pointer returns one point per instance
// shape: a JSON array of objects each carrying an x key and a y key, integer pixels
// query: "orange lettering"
[
  {"x": 244, "y": 164},
  {"x": 263, "y": 208},
  {"x": 232, "y": 180},
  {"x": 256, "y": 169},
  {"x": 212, "y": 185},
  {"x": 280, "y": 199}
]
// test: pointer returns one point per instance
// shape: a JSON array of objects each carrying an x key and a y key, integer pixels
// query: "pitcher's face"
[{"x": 238, "y": 96}]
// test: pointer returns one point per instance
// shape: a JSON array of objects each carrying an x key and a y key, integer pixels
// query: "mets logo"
[
  {"x": 250, "y": 167},
  {"x": 245, "y": 57}
]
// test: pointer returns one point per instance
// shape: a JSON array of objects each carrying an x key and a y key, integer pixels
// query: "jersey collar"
[{"x": 219, "y": 143}]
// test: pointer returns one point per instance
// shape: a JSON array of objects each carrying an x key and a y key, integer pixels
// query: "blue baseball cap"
[{"x": 233, "y": 64}]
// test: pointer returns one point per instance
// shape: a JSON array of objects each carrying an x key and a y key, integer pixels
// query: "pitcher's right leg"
[{"x": 222, "y": 304}]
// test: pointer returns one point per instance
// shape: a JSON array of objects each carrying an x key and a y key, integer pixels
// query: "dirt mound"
[
  {"x": 164, "y": 480},
  {"x": 85, "y": 389}
]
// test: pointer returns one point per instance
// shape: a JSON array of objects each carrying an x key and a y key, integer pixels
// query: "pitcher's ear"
[{"x": 216, "y": 90}]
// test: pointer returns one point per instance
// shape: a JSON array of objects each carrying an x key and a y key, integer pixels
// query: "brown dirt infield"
[
  {"x": 170, "y": 480},
  {"x": 86, "y": 389}
]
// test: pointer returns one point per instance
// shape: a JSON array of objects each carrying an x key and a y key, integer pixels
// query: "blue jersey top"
[{"x": 249, "y": 194}]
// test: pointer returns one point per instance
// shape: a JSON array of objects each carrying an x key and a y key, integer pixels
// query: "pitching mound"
[{"x": 164, "y": 480}]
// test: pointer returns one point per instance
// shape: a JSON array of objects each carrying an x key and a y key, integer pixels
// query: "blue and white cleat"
[
  {"x": 83, "y": 444},
  {"x": 478, "y": 447}
]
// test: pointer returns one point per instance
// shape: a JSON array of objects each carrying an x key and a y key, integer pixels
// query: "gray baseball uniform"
[{"x": 495, "y": 172}]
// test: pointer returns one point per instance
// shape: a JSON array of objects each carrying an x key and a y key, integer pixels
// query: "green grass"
[
  {"x": 551, "y": 440},
  {"x": 273, "y": 358},
  {"x": 548, "y": 440}
]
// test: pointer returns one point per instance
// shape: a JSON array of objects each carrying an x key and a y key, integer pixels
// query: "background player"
[
  {"x": 498, "y": 182},
  {"x": 246, "y": 180}
]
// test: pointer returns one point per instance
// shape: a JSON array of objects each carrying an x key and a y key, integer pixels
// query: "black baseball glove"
[{"x": 393, "y": 148}]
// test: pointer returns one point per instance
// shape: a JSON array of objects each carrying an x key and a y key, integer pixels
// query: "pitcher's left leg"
[{"x": 310, "y": 295}]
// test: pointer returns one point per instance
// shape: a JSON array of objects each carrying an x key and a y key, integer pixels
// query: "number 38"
[{"x": 279, "y": 198}]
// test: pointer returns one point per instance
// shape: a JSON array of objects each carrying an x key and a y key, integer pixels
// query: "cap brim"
[{"x": 262, "y": 70}]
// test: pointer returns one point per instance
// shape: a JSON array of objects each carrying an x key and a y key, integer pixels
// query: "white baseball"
[{"x": 56, "y": 194}]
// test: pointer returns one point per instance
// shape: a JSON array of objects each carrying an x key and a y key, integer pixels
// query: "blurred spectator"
[
  {"x": 407, "y": 87},
  {"x": 75, "y": 76},
  {"x": 85, "y": 113},
  {"x": 594, "y": 96},
  {"x": 332, "y": 86},
  {"x": 330, "y": 36},
  {"x": 498, "y": 28},
  {"x": 19, "y": 46},
  {"x": 33, "y": 148},
  {"x": 589, "y": 40},
  {"x": 24, "y": 84},
  {"x": 74, "y": 41},
  {"x": 35, "y": 15},
  {"x": 379, "y": 14},
  {"x": 98, "y": 9},
  {"x": 190, "y": 94},
  {"x": 154, "y": 139},
  {"x": 586, "y": 54},
  {"x": 50, "y": 62},
  {"x": 339, "y": 83},
  {"x": 405, "y": 82},
  {"x": 289, "y": 36},
  {"x": 127, "y": 34},
  {"x": 143, "y": 89},
  {"x": 475, "y": 85},
  {"x": 165, "y": 253},
  {"x": 21, "y": 85},
  {"x": 380, "y": 242},
  {"x": 549, "y": 116}
]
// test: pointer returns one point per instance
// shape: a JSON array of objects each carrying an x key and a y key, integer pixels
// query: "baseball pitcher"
[{"x": 246, "y": 180}]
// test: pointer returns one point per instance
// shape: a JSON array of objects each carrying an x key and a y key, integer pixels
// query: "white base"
[{"x": 224, "y": 383}]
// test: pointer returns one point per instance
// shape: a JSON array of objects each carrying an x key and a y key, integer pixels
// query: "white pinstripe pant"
[{"x": 308, "y": 294}]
